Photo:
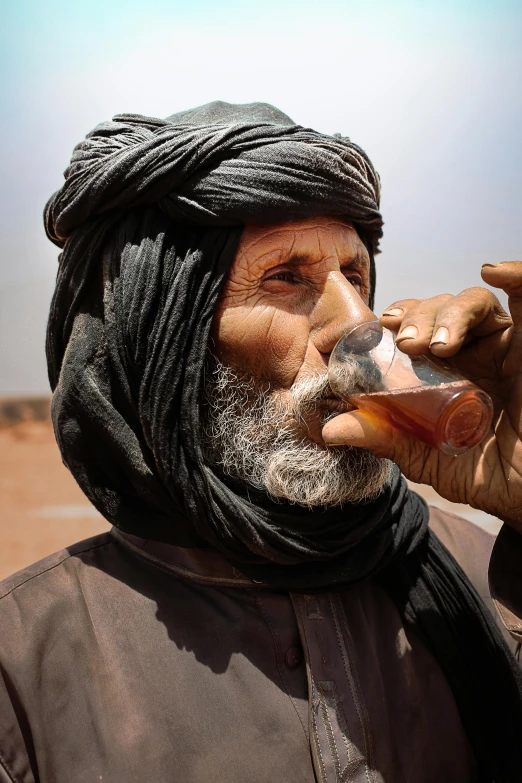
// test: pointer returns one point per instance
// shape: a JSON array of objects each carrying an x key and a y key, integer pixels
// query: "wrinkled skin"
[
  {"x": 294, "y": 289},
  {"x": 292, "y": 292}
]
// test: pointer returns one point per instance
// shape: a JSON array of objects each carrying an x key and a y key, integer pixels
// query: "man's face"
[{"x": 293, "y": 290}]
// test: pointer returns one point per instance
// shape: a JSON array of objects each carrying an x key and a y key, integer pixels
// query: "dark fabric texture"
[
  {"x": 149, "y": 218},
  {"x": 120, "y": 677}
]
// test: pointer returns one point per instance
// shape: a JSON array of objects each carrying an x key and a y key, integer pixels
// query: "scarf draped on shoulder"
[{"x": 149, "y": 219}]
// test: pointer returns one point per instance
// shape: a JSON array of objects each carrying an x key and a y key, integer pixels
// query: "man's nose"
[{"x": 339, "y": 309}]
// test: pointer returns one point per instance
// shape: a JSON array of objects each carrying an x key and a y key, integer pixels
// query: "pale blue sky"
[{"x": 431, "y": 90}]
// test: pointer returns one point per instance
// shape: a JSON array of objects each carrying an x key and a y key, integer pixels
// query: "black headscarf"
[{"x": 149, "y": 219}]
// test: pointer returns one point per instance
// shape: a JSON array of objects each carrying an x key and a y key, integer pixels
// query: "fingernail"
[
  {"x": 394, "y": 312},
  {"x": 492, "y": 266},
  {"x": 408, "y": 333},
  {"x": 440, "y": 337}
]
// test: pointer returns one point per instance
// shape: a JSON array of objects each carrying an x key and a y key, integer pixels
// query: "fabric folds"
[{"x": 215, "y": 175}]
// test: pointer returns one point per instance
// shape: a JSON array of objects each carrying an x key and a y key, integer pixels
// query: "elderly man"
[{"x": 272, "y": 603}]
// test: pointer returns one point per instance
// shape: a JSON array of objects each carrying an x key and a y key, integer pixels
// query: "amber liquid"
[{"x": 453, "y": 417}]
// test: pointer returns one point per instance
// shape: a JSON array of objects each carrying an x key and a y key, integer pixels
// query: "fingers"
[
  {"x": 443, "y": 323},
  {"x": 393, "y": 315},
  {"x": 507, "y": 276}
]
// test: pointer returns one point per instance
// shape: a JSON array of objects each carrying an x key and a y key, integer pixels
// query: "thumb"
[
  {"x": 361, "y": 429},
  {"x": 508, "y": 276}
]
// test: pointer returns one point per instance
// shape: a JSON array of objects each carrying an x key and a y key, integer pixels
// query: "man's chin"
[{"x": 315, "y": 475}]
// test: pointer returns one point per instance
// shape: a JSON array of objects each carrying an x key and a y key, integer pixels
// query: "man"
[{"x": 271, "y": 604}]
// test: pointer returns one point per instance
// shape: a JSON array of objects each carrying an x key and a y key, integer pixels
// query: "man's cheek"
[
  {"x": 264, "y": 341},
  {"x": 275, "y": 361},
  {"x": 284, "y": 350}
]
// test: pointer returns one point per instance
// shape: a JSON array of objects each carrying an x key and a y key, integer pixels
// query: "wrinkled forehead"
[{"x": 311, "y": 238}]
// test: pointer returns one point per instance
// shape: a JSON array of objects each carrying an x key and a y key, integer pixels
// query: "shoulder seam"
[{"x": 55, "y": 565}]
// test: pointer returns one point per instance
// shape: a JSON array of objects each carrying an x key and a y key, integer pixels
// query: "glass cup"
[{"x": 425, "y": 398}]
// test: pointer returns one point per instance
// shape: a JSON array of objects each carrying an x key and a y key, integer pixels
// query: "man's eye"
[
  {"x": 286, "y": 277},
  {"x": 355, "y": 280}
]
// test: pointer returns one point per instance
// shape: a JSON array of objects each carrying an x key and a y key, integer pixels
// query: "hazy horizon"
[{"x": 431, "y": 91}]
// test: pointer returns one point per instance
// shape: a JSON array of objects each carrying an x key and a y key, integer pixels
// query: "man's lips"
[{"x": 334, "y": 404}]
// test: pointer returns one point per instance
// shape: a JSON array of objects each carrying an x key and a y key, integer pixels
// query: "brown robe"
[{"x": 127, "y": 660}]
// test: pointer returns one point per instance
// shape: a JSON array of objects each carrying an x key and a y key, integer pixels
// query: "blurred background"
[{"x": 431, "y": 90}]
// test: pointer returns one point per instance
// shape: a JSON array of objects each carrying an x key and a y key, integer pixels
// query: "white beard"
[{"x": 257, "y": 435}]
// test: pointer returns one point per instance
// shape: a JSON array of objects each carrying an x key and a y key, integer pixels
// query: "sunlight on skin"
[{"x": 292, "y": 292}]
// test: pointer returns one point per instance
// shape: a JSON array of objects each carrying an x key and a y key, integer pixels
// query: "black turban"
[{"x": 149, "y": 218}]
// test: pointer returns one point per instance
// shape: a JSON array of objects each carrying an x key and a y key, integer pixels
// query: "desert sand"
[{"x": 42, "y": 509}]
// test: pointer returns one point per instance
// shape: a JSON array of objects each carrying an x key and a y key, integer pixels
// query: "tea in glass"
[{"x": 414, "y": 393}]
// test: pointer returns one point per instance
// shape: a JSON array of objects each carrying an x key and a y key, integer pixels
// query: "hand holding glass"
[{"x": 414, "y": 393}]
